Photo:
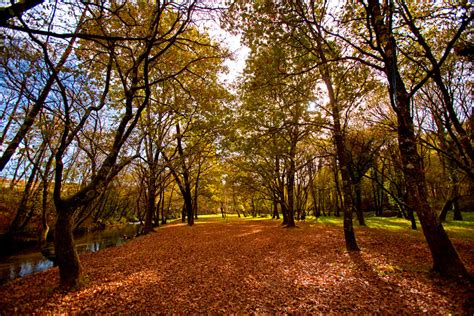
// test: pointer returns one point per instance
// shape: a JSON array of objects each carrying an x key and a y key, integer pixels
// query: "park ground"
[{"x": 257, "y": 266}]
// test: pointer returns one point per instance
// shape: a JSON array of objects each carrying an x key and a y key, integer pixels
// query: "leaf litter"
[{"x": 252, "y": 267}]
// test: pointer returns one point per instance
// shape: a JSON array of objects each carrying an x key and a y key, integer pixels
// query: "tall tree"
[
  {"x": 385, "y": 50},
  {"x": 281, "y": 102},
  {"x": 121, "y": 58}
]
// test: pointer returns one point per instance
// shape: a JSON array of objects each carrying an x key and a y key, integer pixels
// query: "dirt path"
[{"x": 252, "y": 266}]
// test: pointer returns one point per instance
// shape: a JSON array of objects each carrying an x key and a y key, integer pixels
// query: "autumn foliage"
[{"x": 253, "y": 266}]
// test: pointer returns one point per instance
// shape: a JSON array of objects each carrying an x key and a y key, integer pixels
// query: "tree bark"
[
  {"x": 358, "y": 203},
  {"x": 290, "y": 185},
  {"x": 185, "y": 187},
  {"x": 281, "y": 191},
  {"x": 44, "y": 203},
  {"x": 183, "y": 213},
  {"x": 349, "y": 235},
  {"x": 150, "y": 205},
  {"x": 338, "y": 195},
  {"x": 66, "y": 254},
  {"x": 275, "y": 215},
  {"x": 445, "y": 258}
]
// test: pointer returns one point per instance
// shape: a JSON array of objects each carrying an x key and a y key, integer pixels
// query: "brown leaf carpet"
[{"x": 252, "y": 267}]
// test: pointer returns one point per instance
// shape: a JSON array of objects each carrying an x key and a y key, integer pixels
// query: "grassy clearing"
[
  {"x": 458, "y": 229},
  {"x": 213, "y": 218},
  {"x": 461, "y": 229}
]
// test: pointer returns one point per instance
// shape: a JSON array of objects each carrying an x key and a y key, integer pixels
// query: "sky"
[{"x": 233, "y": 43}]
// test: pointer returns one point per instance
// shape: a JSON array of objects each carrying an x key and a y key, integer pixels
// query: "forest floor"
[{"x": 253, "y": 266}]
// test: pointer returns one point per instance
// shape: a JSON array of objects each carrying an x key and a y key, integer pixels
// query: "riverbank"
[
  {"x": 253, "y": 266},
  {"x": 30, "y": 260}
]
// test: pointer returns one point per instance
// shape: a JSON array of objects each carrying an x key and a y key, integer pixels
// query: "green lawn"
[{"x": 458, "y": 229}]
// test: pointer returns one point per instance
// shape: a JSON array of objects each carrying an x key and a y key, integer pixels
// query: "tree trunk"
[
  {"x": 281, "y": 192},
  {"x": 183, "y": 213},
  {"x": 338, "y": 196},
  {"x": 284, "y": 212},
  {"x": 66, "y": 254},
  {"x": 275, "y": 209},
  {"x": 445, "y": 258},
  {"x": 150, "y": 206},
  {"x": 444, "y": 211},
  {"x": 196, "y": 193},
  {"x": 290, "y": 185},
  {"x": 185, "y": 187},
  {"x": 349, "y": 235},
  {"x": 222, "y": 210},
  {"x": 358, "y": 203},
  {"x": 411, "y": 217},
  {"x": 254, "y": 211},
  {"x": 316, "y": 209},
  {"x": 44, "y": 208},
  {"x": 188, "y": 201},
  {"x": 455, "y": 196},
  {"x": 457, "y": 216}
]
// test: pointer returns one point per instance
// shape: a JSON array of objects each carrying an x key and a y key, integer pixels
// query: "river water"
[{"x": 31, "y": 261}]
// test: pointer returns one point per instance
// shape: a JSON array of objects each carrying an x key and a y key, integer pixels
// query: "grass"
[
  {"x": 213, "y": 218},
  {"x": 459, "y": 229},
  {"x": 392, "y": 223},
  {"x": 328, "y": 220}
]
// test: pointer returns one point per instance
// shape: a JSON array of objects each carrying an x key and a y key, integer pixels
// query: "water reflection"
[{"x": 27, "y": 262}]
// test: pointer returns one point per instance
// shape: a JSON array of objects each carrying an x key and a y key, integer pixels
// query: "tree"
[
  {"x": 304, "y": 24},
  {"x": 381, "y": 49},
  {"x": 38, "y": 95},
  {"x": 362, "y": 150},
  {"x": 16, "y": 10},
  {"x": 195, "y": 104},
  {"x": 154, "y": 127},
  {"x": 120, "y": 72},
  {"x": 282, "y": 103}
]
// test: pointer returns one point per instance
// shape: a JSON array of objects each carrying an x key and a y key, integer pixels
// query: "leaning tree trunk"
[
  {"x": 66, "y": 254},
  {"x": 445, "y": 258}
]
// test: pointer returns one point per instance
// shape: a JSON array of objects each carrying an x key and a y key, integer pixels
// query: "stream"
[{"x": 31, "y": 261}]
